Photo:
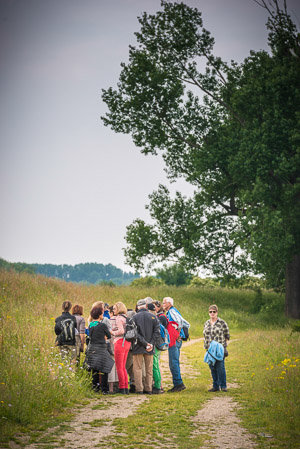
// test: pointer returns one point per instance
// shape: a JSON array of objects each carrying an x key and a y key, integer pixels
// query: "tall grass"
[{"x": 34, "y": 384}]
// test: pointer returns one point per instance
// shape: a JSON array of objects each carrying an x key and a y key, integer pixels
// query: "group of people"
[{"x": 121, "y": 366}]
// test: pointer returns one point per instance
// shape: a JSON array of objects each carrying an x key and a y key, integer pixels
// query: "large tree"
[{"x": 232, "y": 131}]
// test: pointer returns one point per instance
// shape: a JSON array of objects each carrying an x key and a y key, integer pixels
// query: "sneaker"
[
  {"x": 224, "y": 389},
  {"x": 213, "y": 389},
  {"x": 156, "y": 391}
]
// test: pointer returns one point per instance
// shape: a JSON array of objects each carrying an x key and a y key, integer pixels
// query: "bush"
[{"x": 147, "y": 281}]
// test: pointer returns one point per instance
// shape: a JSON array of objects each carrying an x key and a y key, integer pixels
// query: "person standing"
[
  {"x": 143, "y": 348},
  {"x": 65, "y": 326},
  {"x": 216, "y": 329},
  {"x": 157, "y": 378},
  {"x": 98, "y": 359},
  {"x": 121, "y": 346},
  {"x": 174, "y": 349},
  {"x": 77, "y": 311}
]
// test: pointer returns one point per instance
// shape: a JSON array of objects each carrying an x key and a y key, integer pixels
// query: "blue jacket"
[
  {"x": 215, "y": 352},
  {"x": 174, "y": 315}
]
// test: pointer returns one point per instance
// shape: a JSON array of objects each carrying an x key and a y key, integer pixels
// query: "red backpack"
[{"x": 173, "y": 332}]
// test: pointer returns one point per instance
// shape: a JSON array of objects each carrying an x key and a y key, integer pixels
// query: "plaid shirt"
[{"x": 218, "y": 332}]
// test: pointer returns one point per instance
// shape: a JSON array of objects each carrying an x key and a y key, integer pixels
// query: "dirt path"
[{"x": 85, "y": 430}]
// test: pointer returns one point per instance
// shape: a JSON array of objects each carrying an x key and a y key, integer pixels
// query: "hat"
[
  {"x": 150, "y": 306},
  {"x": 141, "y": 302},
  {"x": 148, "y": 300}
]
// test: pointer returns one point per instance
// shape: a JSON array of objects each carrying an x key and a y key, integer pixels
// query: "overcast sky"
[{"x": 68, "y": 185}]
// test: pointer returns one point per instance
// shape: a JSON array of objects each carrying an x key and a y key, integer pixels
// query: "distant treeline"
[{"x": 86, "y": 273}]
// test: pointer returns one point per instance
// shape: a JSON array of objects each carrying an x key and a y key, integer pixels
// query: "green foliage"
[
  {"x": 234, "y": 136},
  {"x": 174, "y": 275},
  {"x": 205, "y": 282},
  {"x": 86, "y": 273},
  {"x": 28, "y": 307},
  {"x": 147, "y": 281}
]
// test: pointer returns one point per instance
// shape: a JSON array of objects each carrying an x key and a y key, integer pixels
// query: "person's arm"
[{"x": 106, "y": 331}]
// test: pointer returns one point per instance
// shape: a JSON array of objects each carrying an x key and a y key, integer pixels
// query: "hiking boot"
[
  {"x": 147, "y": 392},
  {"x": 224, "y": 389},
  {"x": 177, "y": 388},
  {"x": 213, "y": 389},
  {"x": 132, "y": 389},
  {"x": 156, "y": 391}
]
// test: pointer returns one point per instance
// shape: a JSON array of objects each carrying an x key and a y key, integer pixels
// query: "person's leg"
[
  {"x": 104, "y": 382},
  {"x": 95, "y": 381},
  {"x": 149, "y": 372},
  {"x": 137, "y": 369},
  {"x": 214, "y": 375},
  {"x": 119, "y": 361},
  {"x": 125, "y": 349},
  {"x": 156, "y": 370},
  {"x": 129, "y": 369},
  {"x": 174, "y": 363},
  {"x": 221, "y": 373}
]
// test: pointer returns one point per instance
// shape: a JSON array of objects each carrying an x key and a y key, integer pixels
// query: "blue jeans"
[
  {"x": 174, "y": 364},
  {"x": 218, "y": 374}
]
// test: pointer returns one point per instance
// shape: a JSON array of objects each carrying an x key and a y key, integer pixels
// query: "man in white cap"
[
  {"x": 174, "y": 350},
  {"x": 143, "y": 348}
]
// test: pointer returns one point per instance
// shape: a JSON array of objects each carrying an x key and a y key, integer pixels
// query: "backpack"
[
  {"x": 131, "y": 331},
  {"x": 67, "y": 334},
  {"x": 162, "y": 343},
  {"x": 185, "y": 331}
]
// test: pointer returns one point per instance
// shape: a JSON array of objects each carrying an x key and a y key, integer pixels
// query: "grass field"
[{"x": 37, "y": 390}]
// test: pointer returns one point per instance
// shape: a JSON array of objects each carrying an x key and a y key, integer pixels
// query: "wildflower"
[
  {"x": 2, "y": 402},
  {"x": 9, "y": 405},
  {"x": 253, "y": 374},
  {"x": 293, "y": 366},
  {"x": 267, "y": 368},
  {"x": 283, "y": 372},
  {"x": 8, "y": 317}
]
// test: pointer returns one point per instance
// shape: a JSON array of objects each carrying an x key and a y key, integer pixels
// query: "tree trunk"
[{"x": 292, "y": 288}]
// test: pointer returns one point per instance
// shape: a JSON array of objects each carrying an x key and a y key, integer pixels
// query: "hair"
[
  {"x": 77, "y": 310},
  {"x": 96, "y": 312},
  {"x": 149, "y": 300},
  {"x": 213, "y": 307},
  {"x": 96, "y": 304},
  {"x": 169, "y": 300},
  {"x": 66, "y": 306},
  {"x": 111, "y": 309},
  {"x": 121, "y": 308},
  {"x": 158, "y": 305}
]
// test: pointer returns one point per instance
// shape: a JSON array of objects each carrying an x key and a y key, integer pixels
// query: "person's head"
[
  {"x": 96, "y": 304},
  {"x": 149, "y": 300},
  {"x": 158, "y": 306},
  {"x": 111, "y": 311},
  {"x": 151, "y": 308},
  {"x": 77, "y": 310},
  {"x": 141, "y": 304},
  {"x": 96, "y": 312},
  {"x": 119, "y": 309},
  {"x": 213, "y": 311},
  {"x": 167, "y": 303},
  {"x": 106, "y": 306},
  {"x": 66, "y": 306}
]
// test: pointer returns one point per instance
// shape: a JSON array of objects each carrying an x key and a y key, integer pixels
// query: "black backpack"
[
  {"x": 67, "y": 334},
  {"x": 131, "y": 330}
]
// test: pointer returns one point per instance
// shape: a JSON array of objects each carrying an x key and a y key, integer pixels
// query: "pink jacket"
[{"x": 118, "y": 327}]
